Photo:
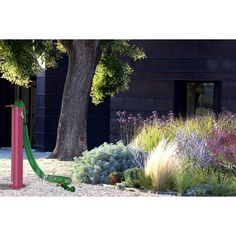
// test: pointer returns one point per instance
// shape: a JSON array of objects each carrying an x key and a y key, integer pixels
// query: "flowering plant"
[
  {"x": 222, "y": 144},
  {"x": 130, "y": 124},
  {"x": 192, "y": 146}
]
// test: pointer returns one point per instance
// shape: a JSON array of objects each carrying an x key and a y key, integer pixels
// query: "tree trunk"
[{"x": 72, "y": 128}]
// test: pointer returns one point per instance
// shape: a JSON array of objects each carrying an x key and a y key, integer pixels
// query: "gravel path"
[{"x": 35, "y": 186}]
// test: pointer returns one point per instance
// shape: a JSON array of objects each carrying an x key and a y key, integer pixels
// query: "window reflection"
[{"x": 200, "y": 98}]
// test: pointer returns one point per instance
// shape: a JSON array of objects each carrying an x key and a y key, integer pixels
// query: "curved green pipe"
[{"x": 60, "y": 180}]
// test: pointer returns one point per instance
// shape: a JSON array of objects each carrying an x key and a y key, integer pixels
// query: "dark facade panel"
[
  {"x": 39, "y": 137},
  {"x": 229, "y": 89},
  {"x": 40, "y": 100},
  {"x": 143, "y": 104},
  {"x": 54, "y": 86},
  {"x": 216, "y": 76},
  {"x": 50, "y": 141},
  {"x": 114, "y": 129},
  {"x": 149, "y": 88},
  {"x": 53, "y": 101},
  {"x": 188, "y": 48},
  {"x": 51, "y": 112},
  {"x": 98, "y": 123},
  {"x": 216, "y": 49},
  {"x": 56, "y": 73},
  {"x": 172, "y": 76},
  {"x": 229, "y": 104},
  {"x": 216, "y": 65},
  {"x": 184, "y": 65},
  {"x": 6, "y": 98},
  {"x": 165, "y": 65},
  {"x": 168, "y": 48},
  {"x": 40, "y": 124},
  {"x": 97, "y": 139},
  {"x": 229, "y": 95}
]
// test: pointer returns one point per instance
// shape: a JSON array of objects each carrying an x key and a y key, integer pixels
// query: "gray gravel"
[
  {"x": 34, "y": 186},
  {"x": 5, "y": 153}
]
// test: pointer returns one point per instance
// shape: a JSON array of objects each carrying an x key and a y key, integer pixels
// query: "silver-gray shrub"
[
  {"x": 139, "y": 156},
  {"x": 193, "y": 147},
  {"x": 94, "y": 166}
]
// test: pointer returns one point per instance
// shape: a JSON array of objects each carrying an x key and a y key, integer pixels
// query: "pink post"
[{"x": 17, "y": 147}]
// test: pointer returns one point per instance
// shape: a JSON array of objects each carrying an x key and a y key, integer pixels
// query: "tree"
[{"x": 95, "y": 67}]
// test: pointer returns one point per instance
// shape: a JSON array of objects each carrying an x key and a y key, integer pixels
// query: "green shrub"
[
  {"x": 95, "y": 166},
  {"x": 148, "y": 137},
  {"x": 212, "y": 182},
  {"x": 132, "y": 177},
  {"x": 183, "y": 177},
  {"x": 200, "y": 190},
  {"x": 221, "y": 183},
  {"x": 135, "y": 177}
]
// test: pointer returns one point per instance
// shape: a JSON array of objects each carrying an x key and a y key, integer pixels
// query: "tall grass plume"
[{"x": 161, "y": 164}]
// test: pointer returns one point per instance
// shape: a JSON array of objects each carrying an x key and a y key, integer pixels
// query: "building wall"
[
  {"x": 49, "y": 91},
  {"x": 154, "y": 86},
  {"x": 229, "y": 95},
  {"x": 6, "y": 98},
  {"x": 144, "y": 96}
]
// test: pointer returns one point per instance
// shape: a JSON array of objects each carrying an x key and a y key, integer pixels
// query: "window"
[
  {"x": 199, "y": 98},
  {"x": 196, "y": 98}
]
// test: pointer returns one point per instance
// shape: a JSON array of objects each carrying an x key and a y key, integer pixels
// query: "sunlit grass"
[
  {"x": 150, "y": 134},
  {"x": 161, "y": 164}
]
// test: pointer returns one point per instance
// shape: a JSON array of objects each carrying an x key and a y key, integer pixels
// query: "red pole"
[{"x": 17, "y": 147}]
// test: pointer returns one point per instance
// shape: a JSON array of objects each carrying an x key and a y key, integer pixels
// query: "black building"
[{"x": 183, "y": 76}]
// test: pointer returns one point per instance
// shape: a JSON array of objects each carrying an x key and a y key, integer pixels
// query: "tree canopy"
[
  {"x": 112, "y": 73},
  {"x": 21, "y": 58}
]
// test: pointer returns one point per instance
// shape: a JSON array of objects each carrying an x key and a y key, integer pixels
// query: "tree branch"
[{"x": 67, "y": 44}]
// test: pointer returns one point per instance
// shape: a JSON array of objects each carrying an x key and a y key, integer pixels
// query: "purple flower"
[
  {"x": 118, "y": 113},
  {"x": 170, "y": 116},
  {"x": 155, "y": 113},
  {"x": 193, "y": 147},
  {"x": 123, "y": 120}
]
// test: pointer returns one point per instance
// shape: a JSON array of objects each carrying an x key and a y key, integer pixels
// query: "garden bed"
[{"x": 195, "y": 156}]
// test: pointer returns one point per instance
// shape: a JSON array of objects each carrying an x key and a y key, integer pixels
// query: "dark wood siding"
[
  {"x": 6, "y": 98},
  {"x": 144, "y": 96},
  {"x": 153, "y": 86},
  {"x": 154, "y": 78},
  {"x": 98, "y": 123},
  {"x": 229, "y": 95}
]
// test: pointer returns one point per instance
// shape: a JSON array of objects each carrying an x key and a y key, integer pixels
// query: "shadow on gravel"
[{"x": 5, "y": 187}]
